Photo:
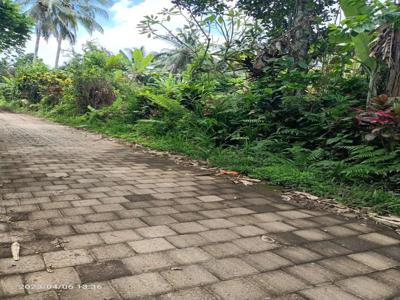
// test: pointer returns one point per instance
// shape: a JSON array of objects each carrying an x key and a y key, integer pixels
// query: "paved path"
[{"x": 96, "y": 220}]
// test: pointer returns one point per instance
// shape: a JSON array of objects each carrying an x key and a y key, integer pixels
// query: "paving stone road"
[{"x": 97, "y": 220}]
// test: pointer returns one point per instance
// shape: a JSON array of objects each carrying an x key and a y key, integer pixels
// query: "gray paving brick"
[
  {"x": 148, "y": 284},
  {"x": 239, "y": 289},
  {"x": 267, "y": 261},
  {"x": 346, "y": 266},
  {"x": 102, "y": 271},
  {"x": 189, "y": 255},
  {"x": 255, "y": 244},
  {"x": 114, "y": 251},
  {"x": 151, "y": 245},
  {"x": 328, "y": 292},
  {"x": 298, "y": 254},
  {"x": 228, "y": 268},
  {"x": 368, "y": 288},
  {"x": 26, "y": 264},
  {"x": 42, "y": 281},
  {"x": 11, "y": 285},
  {"x": 155, "y": 231},
  {"x": 374, "y": 260},
  {"x": 314, "y": 273},
  {"x": 279, "y": 282},
  {"x": 189, "y": 276},
  {"x": 148, "y": 262},
  {"x": 119, "y": 236},
  {"x": 192, "y": 294},
  {"x": 221, "y": 250},
  {"x": 219, "y": 235},
  {"x": 94, "y": 291}
]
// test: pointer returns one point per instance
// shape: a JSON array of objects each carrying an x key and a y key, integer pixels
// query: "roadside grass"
[{"x": 274, "y": 169}]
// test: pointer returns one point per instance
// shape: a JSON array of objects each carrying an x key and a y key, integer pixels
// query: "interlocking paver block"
[
  {"x": 276, "y": 227},
  {"x": 48, "y": 295},
  {"x": 339, "y": 231},
  {"x": 92, "y": 227},
  {"x": 189, "y": 255},
  {"x": 212, "y": 198},
  {"x": 11, "y": 285},
  {"x": 151, "y": 245},
  {"x": 155, "y": 231},
  {"x": 239, "y": 289},
  {"x": 77, "y": 211},
  {"x": 101, "y": 217},
  {"x": 107, "y": 207},
  {"x": 119, "y": 236},
  {"x": 298, "y": 254},
  {"x": 228, "y": 268},
  {"x": 380, "y": 239},
  {"x": 223, "y": 250},
  {"x": 113, "y": 251},
  {"x": 216, "y": 223},
  {"x": 83, "y": 241},
  {"x": 67, "y": 258},
  {"x": 267, "y": 261},
  {"x": 327, "y": 248},
  {"x": 59, "y": 278},
  {"x": 127, "y": 223},
  {"x": 159, "y": 220},
  {"x": 279, "y": 282},
  {"x": 26, "y": 264},
  {"x": 148, "y": 284},
  {"x": 255, "y": 244},
  {"x": 189, "y": 276},
  {"x": 102, "y": 271},
  {"x": 44, "y": 214},
  {"x": 313, "y": 234},
  {"x": 314, "y": 273},
  {"x": 96, "y": 290},
  {"x": 328, "y": 292},
  {"x": 144, "y": 263},
  {"x": 187, "y": 227},
  {"x": 374, "y": 260},
  {"x": 368, "y": 288},
  {"x": 390, "y": 277},
  {"x": 61, "y": 230},
  {"x": 346, "y": 266},
  {"x": 192, "y": 294},
  {"x": 219, "y": 235}
]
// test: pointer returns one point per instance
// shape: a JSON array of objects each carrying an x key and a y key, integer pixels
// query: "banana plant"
[
  {"x": 138, "y": 62},
  {"x": 357, "y": 13}
]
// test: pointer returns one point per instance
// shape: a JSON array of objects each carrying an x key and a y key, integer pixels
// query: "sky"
[{"x": 120, "y": 31}]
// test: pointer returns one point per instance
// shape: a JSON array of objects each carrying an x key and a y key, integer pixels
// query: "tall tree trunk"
[
  {"x": 372, "y": 89},
  {"x": 393, "y": 85},
  {"x": 302, "y": 31},
  {"x": 38, "y": 34},
  {"x": 59, "y": 41}
]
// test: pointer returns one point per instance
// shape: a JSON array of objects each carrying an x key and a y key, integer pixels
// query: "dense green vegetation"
[
  {"x": 14, "y": 25},
  {"x": 289, "y": 96}
]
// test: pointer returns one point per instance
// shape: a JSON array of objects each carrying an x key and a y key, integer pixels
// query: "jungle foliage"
[{"x": 312, "y": 104}]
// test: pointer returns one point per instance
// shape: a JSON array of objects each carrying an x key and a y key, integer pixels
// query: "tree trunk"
[
  {"x": 38, "y": 34},
  {"x": 302, "y": 32},
  {"x": 372, "y": 91},
  {"x": 393, "y": 85},
  {"x": 59, "y": 41}
]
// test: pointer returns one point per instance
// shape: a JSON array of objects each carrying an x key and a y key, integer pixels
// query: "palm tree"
[
  {"x": 176, "y": 59},
  {"x": 79, "y": 12},
  {"x": 61, "y": 18},
  {"x": 40, "y": 11}
]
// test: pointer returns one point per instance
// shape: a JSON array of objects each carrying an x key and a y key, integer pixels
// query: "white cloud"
[{"x": 123, "y": 32}]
